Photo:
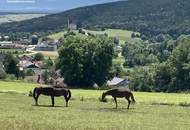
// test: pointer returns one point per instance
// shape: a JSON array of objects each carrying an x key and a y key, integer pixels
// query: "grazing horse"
[
  {"x": 53, "y": 92},
  {"x": 116, "y": 93}
]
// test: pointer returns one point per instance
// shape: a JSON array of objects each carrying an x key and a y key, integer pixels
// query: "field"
[
  {"x": 153, "y": 111},
  {"x": 122, "y": 35},
  {"x": 52, "y": 54},
  {"x": 18, "y": 17}
]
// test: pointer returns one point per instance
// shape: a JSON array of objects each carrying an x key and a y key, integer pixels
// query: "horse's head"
[{"x": 103, "y": 97}]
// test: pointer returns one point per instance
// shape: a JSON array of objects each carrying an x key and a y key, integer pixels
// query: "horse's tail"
[
  {"x": 132, "y": 97},
  {"x": 69, "y": 95},
  {"x": 34, "y": 92}
]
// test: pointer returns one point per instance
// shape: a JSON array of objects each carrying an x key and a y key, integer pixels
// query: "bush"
[
  {"x": 38, "y": 57},
  {"x": 11, "y": 77},
  {"x": 3, "y": 74},
  {"x": 29, "y": 72}
]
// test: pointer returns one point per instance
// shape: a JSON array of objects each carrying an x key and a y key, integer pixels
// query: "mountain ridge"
[{"x": 148, "y": 17}]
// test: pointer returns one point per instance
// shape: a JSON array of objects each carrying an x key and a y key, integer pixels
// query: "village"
[{"x": 35, "y": 62}]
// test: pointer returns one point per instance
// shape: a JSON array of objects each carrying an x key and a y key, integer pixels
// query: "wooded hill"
[{"x": 149, "y": 17}]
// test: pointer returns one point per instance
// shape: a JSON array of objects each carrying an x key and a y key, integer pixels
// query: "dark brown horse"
[
  {"x": 53, "y": 92},
  {"x": 116, "y": 93}
]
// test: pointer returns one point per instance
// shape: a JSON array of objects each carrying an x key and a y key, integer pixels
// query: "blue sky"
[{"x": 46, "y": 5}]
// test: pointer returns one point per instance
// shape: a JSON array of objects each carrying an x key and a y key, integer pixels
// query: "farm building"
[
  {"x": 47, "y": 45},
  {"x": 118, "y": 82},
  {"x": 72, "y": 26}
]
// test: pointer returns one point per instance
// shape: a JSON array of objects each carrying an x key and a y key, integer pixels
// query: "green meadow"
[
  {"x": 122, "y": 35},
  {"x": 153, "y": 111}
]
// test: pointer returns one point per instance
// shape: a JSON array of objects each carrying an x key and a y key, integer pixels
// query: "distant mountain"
[
  {"x": 45, "y": 6},
  {"x": 14, "y": 17},
  {"x": 150, "y": 17}
]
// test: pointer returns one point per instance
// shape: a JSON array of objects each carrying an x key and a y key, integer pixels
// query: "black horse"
[
  {"x": 116, "y": 93},
  {"x": 53, "y": 92}
]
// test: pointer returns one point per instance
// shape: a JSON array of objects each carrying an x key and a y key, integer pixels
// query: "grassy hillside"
[
  {"x": 149, "y": 17},
  {"x": 7, "y": 18},
  {"x": 153, "y": 111},
  {"x": 122, "y": 35}
]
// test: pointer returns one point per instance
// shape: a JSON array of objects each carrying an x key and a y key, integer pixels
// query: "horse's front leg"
[
  {"x": 66, "y": 100},
  {"x": 36, "y": 99},
  {"x": 129, "y": 102},
  {"x": 115, "y": 99},
  {"x": 52, "y": 100}
]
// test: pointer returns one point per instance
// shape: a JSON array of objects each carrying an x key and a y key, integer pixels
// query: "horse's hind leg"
[
  {"x": 115, "y": 99},
  {"x": 66, "y": 101},
  {"x": 129, "y": 102},
  {"x": 52, "y": 100}
]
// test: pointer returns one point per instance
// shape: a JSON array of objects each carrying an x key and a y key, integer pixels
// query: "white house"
[{"x": 118, "y": 82}]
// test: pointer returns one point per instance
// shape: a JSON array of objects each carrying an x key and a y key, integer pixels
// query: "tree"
[
  {"x": 180, "y": 60},
  {"x": 10, "y": 63},
  {"x": 38, "y": 57},
  {"x": 45, "y": 76},
  {"x": 49, "y": 63},
  {"x": 163, "y": 77},
  {"x": 116, "y": 41},
  {"x": 86, "y": 61}
]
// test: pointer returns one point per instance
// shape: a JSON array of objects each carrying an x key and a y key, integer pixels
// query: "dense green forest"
[
  {"x": 149, "y": 17},
  {"x": 159, "y": 66}
]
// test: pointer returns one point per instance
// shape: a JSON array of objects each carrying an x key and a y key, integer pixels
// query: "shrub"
[
  {"x": 2, "y": 74},
  {"x": 11, "y": 77}
]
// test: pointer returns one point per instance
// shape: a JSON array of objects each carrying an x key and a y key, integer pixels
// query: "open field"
[
  {"x": 52, "y": 54},
  {"x": 122, "y": 35},
  {"x": 13, "y": 51},
  {"x": 57, "y": 35},
  {"x": 18, "y": 17},
  {"x": 153, "y": 111}
]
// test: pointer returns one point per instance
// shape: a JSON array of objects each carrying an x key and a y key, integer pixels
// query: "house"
[
  {"x": 6, "y": 37},
  {"x": 7, "y": 45},
  {"x": 118, "y": 82},
  {"x": 25, "y": 58},
  {"x": 72, "y": 26},
  {"x": 118, "y": 48},
  {"x": 47, "y": 45},
  {"x": 27, "y": 64}
]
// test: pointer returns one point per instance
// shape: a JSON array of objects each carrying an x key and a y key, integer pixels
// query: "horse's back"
[
  {"x": 45, "y": 90},
  {"x": 120, "y": 93},
  {"x": 60, "y": 91}
]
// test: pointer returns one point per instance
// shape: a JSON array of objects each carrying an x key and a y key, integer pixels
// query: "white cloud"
[{"x": 21, "y": 1}]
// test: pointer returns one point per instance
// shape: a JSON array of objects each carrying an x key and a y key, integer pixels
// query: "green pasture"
[
  {"x": 122, "y": 35},
  {"x": 52, "y": 54},
  {"x": 153, "y": 111},
  {"x": 57, "y": 35}
]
